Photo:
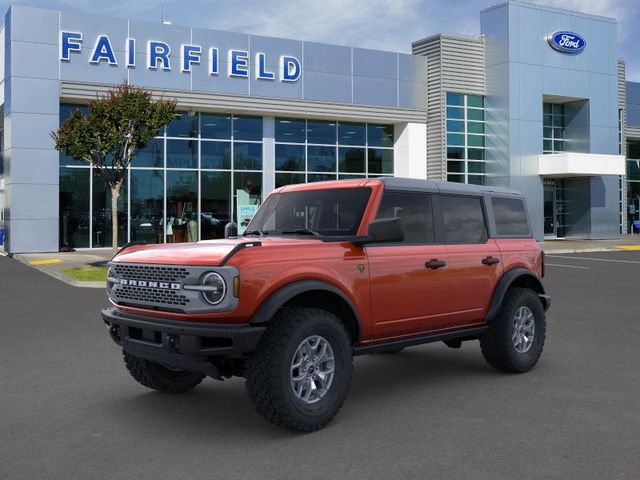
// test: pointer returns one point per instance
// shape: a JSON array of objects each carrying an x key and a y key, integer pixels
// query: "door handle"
[
  {"x": 435, "y": 264},
  {"x": 490, "y": 260}
]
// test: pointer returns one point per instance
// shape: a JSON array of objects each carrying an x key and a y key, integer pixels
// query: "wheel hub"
[
  {"x": 523, "y": 331},
  {"x": 312, "y": 369}
]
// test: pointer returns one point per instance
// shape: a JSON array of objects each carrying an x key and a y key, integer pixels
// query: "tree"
[{"x": 117, "y": 126}]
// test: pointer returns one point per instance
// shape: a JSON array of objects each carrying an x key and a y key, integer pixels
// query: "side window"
[
  {"x": 511, "y": 216},
  {"x": 463, "y": 219},
  {"x": 415, "y": 211}
]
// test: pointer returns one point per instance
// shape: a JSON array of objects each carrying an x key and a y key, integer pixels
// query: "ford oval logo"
[{"x": 567, "y": 42}]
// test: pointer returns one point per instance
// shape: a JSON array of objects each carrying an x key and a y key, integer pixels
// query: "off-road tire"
[
  {"x": 268, "y": 379},
  {"x": 155, "y": 376},
  {"x": 496, "y": 343}
]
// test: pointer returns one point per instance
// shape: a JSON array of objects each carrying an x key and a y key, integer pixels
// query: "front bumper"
[{"x": 188, "y": 346}]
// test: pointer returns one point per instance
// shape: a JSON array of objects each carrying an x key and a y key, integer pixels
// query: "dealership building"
[{"x": 538, "y": 102}]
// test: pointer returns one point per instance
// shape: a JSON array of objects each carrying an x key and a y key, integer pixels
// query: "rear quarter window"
[{"x": 511, "y": 216}]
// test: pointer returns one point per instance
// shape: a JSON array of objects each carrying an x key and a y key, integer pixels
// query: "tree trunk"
[{"x": 115, "y": 195}]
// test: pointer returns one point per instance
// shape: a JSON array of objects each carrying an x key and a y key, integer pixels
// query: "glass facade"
[
  {"x": 181, "y": 187},
  {"x": 553, "y": 140},
  {"x": 465, "y": 130},
  {"x": 318, "y": 150},
  {"x": 633, "y": 182}
]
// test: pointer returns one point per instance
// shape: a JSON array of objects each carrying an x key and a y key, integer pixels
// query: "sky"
[{"x": 378, "y": 24}]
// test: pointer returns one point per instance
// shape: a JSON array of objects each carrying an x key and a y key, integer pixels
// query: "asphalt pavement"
[{"x": 69, "y": 410}]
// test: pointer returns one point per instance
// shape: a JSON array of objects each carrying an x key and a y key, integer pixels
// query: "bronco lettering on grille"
[{"x": 150, "y": 284}]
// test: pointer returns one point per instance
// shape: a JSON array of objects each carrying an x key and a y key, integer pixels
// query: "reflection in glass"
[
  {"x": 74, "y": 207},
  {"x": 151, "y": 155},
  {"x": 379, "y": 135},
  {"x": 319, "y": 131},
  {"x": 351, "y": 133},
  {"x": 380, "y": 160},
  {"x": 185, "y": 124},
  {"x": 216, "y": 155},
  {"x": 290, "y": 157},
  {"x": 215, "y": 126},
  {"x": 351, "y": 160},
  {"x": 181, "y": 223},
  {"x": 65, "y": 112},
  {"x": 247, "y": 156},
  {"x": 101, "y": 215},
  {"x": 147, "y": 194},
  {"x": 316, "y": 177},
  {"x": 455, "y": 99},
  {"x": 290, "y": 130},
  {"x": 215, "y": 199},
  {"x": 283, "y": 179},
  {"x": 321, "y": 159},
  {"x": 247, "y": 128},
  {"x": 182, "y": 153}
]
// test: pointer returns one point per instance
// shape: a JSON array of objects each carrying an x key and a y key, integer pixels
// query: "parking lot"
[{"x": 70, "y": 410}]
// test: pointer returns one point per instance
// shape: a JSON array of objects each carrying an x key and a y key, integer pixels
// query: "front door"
[
  {"x": 554, "y": 208},
  {"x": 409, "y": 280}
]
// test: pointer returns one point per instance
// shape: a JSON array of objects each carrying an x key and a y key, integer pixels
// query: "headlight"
[{"x": 214, "y": 288}]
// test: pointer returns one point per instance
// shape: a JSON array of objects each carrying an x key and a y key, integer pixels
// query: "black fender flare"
[
  {"x": 507, "y": 279},
  {"x": 277, "y": 299}
]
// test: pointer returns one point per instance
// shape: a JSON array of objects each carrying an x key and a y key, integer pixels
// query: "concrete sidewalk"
[
  {"x": 561, "y": 246},
  {"x": 54, "y": 263}
]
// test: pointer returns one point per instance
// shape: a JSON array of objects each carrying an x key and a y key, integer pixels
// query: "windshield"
[{"x": 326, "y": 212}]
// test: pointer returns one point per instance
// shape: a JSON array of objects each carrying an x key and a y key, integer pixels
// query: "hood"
[{"x": 204, "y": 253}]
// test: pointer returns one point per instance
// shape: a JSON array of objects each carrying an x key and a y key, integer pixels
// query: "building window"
[
  {"x": 317, "y": 150},
  {"x": 182, "y": 186},
  {"x": 633, "y": 181},
  {"x": 465, "y": 130},
  {"x": 553, "y": 140}
]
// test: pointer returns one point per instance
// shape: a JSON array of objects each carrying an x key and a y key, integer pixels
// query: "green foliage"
[{"x": 117, "y": 126}]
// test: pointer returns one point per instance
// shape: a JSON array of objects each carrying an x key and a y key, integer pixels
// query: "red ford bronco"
[{"x": 326, "y": 271}]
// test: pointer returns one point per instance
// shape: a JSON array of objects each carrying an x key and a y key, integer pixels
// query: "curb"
[
  {"x": 59, "y": 276},
  {"x": 581, "y": 250}
]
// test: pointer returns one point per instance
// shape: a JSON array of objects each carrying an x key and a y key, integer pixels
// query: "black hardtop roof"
[{"x": 432, "y": 186}]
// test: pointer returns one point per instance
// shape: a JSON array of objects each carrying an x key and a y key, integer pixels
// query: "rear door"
[
  {"x": 475, "y": 263},
  {"x": 407, "y": 295}
]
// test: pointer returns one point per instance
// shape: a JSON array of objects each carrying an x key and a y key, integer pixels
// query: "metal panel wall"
[{"x": 454, "y": 64}]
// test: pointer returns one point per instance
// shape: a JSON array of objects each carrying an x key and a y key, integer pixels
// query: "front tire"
[
  {"x": 300, "y": 373},
  {"x": 157, "y": 377},
  {"x": 515, "y": 338}
]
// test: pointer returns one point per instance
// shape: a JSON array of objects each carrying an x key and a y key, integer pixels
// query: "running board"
[{"x": 467, "y": 333}]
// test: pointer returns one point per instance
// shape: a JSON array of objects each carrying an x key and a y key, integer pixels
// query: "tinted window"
[
  {"x": 463, "y": 219},
  {"x": 415, "y": 211},
  {"x": 510, "y": 215},
  {"x": 328, "y": 211}
]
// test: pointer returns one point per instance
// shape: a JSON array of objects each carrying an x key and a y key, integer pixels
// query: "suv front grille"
[
  {"x": 155, "y": 296},
  {"x": 151, "y": 272}
]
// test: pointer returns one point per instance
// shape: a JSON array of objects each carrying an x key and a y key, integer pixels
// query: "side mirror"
[
  {"x": 230, "y": 230},
  {"x": 386, "y": 230}
]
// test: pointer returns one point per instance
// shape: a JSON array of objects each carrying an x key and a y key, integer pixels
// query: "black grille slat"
[
  {"x": 151, "y": 272},
  {"x": 151, "y": 295}
]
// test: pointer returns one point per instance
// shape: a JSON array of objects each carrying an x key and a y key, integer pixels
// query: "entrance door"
[{"x": 554, "y": 208}]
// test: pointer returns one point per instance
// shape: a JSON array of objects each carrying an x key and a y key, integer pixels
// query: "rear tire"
[
  {"x": 515, "y": 338},
  {"x": 157, "y": 377},
  {"x": 300, "y": 373}
]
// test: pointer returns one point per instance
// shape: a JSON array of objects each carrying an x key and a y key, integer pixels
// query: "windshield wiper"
[
  {"x": 302, "y": 231},
  {"x": 255, "y": 232}
]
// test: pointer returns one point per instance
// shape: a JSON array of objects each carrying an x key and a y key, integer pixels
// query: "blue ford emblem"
[{"x": 567, "y": 42}]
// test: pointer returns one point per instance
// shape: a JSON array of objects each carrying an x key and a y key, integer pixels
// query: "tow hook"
[
  {"x": 172, "y": 343},
  {"x": 114, "y": 331}
]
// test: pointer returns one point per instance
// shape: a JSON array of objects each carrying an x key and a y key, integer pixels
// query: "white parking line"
[
  {"x": 594, "y": 259},
  {"x": 568, "y": 266}
]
